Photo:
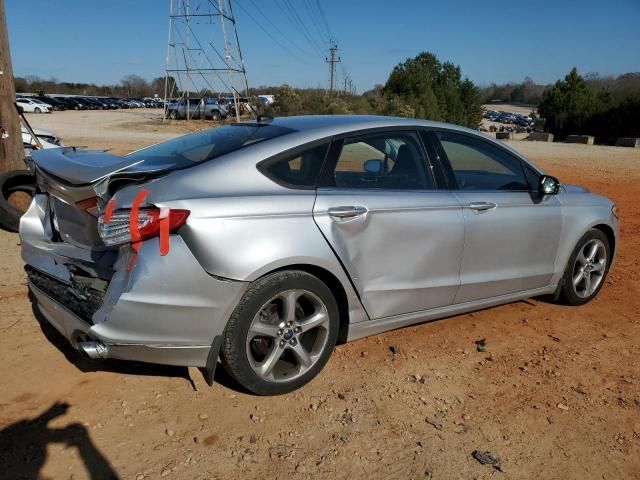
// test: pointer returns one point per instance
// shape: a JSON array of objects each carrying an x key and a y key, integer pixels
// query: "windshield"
[{"x": 198, "y": 147}]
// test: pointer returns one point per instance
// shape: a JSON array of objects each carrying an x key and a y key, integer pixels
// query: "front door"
[
  {"x": 511, "y": 233},
  {"x": 399, "y": 239}
]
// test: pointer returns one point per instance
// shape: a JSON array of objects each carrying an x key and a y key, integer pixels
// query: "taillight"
[
  {"x": 118, "y": 232},
  {"x": 90, "y": 205}
]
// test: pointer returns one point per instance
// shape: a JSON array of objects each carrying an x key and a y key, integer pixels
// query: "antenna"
[{"x": 203, "y": 52}]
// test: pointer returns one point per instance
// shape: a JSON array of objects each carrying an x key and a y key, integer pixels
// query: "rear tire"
[
  {"x": 281, "y": 334},
  {"x": 587, "y": 269},
  {"x": 13, "y": 182}
]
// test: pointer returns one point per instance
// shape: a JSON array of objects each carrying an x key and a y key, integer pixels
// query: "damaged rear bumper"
[{"x": 166, "y": 310}]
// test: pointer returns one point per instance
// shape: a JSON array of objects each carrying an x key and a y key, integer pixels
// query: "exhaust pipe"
[{"x": 94, "y": 350}]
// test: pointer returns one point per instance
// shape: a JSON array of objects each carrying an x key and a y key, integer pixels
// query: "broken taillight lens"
[
  {"x": 90, "y": 205},
  {"x": 118, "y": 230}
]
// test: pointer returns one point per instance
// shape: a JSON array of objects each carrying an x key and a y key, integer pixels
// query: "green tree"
[
  {"x": 424, "y": 87},
  {"x": 567, "y": 105}
]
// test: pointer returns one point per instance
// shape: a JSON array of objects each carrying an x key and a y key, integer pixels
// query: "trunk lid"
[{"x": 72, "y": 178}]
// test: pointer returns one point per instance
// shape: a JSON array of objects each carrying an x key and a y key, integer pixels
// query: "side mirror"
[
  {"x": 373, "y": 166},
  {"x": 548, "y": 185}
]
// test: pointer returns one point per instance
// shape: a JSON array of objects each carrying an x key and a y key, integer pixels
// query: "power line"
[
  {"x": 316, "y": 20},
  {"x": 288, "y": 9},
  {"x": 284, "y": 47},
  {"x": 302, "y": 24},
  {"x": 324, "y": 19},
  {"x": 276, "y": 28}
]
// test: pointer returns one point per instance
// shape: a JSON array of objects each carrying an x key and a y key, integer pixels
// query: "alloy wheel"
[
  {"x": 288, "y": 335},
  {"x": 589, "y": 268}
]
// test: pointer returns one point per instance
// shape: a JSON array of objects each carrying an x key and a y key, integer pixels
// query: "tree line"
[
  {"x": 604, "y": 108},
  {"x": 607, "y": 108},
  {"x": 131, "y": 86},
  {"x": 426, "y": 87}
]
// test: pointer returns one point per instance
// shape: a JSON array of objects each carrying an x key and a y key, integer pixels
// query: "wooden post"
[{"x": 11, "y": 149}]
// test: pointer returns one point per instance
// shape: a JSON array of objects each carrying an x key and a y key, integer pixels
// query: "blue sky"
[{"x": 498, "y": 41}]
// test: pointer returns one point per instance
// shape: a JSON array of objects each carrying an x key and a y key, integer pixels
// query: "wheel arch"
[
  {"x": 611, "y": 237},
  {"x": 333, "y": 283}
]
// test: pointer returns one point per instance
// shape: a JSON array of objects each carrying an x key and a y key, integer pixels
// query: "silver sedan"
[{"x": 265, "y": 243}]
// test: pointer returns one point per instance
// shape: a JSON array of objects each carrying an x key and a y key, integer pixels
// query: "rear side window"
[
  {"x": 478, "y": 165},
  {"x": 299, "y": 170}
]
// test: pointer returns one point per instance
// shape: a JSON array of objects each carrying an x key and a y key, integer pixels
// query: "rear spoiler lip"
[{"x": 81, "y": 167}]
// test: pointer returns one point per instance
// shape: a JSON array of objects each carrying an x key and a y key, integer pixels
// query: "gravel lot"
[{"x": 556, "y": 394}]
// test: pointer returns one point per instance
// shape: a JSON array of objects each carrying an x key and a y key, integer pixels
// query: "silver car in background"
[{"x": 265, "y": 243}]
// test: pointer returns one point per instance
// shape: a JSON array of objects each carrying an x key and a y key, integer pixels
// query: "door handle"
[
  {"x": 481, "y": 206},
  {"x": 346, "y": 212}
]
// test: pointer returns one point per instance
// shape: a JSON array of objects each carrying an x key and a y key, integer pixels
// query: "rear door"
[
  {"x": 398, "y": 237},
  {"x": 511, "y": 233}
]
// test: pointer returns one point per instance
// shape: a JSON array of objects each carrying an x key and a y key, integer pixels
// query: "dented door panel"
[{"x": 403, "y": 253}]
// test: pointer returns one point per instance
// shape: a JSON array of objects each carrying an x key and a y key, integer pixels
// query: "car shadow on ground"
[
  {"x": 85, "y": 364},
  {"x": 124, "y": 367},
  {"x": 23, "y": 446}
]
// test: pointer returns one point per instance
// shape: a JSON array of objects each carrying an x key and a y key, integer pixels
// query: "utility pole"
[
  {"x": 11, "y": 150},
  {"x": 333, "y": 60}
]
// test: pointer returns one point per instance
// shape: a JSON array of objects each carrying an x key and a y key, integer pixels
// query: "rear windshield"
[{"x": 202, "y": 146}]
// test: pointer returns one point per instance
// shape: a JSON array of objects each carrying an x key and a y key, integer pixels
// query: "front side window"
[
  {"x": 393, "y": 161},
  {"x": 300, "y": 170},
  {"x": 478, "y": 165}
]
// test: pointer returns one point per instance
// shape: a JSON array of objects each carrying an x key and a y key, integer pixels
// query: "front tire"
[
  {"x": 281, "y": 334},
  {"x": 587, "y": 269},
  {"x": 37, "y": 110}
]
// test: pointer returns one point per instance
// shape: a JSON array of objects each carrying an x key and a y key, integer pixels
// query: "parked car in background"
[
  {"x": 101, "y": 102},
  {"x": 94, "y": 103},
  {"x": 45, "y": 136},
  {"x": 196, "y": 108},
  {"x": 263, "y": 243},
  {"x": 229, "y": 104},
  {"x": 76, "y": 103},
  {"x": 111, "y": 103},
  {"x": 46, "y": 104},
  {"x": 55, "y": 104},
  {"x": 31, "y": 105}
]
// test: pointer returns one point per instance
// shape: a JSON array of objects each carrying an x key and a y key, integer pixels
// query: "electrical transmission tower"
[
  {"x": 333, "y": 60},
  {"x": 203, "y": 53}
]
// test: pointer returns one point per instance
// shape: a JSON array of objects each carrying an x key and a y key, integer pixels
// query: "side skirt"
[{"x": 373, "y": 327}]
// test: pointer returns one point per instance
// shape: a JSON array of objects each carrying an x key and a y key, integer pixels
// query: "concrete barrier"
[
  {"x": 584, "y": 139},
  {"x": 504, "y": 135},
  {"x": 540, "y": 137},
  {"x": 628, "y": 142}
]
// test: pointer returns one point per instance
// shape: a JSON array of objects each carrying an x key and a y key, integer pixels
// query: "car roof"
[{"x": 338, "y": 124}]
